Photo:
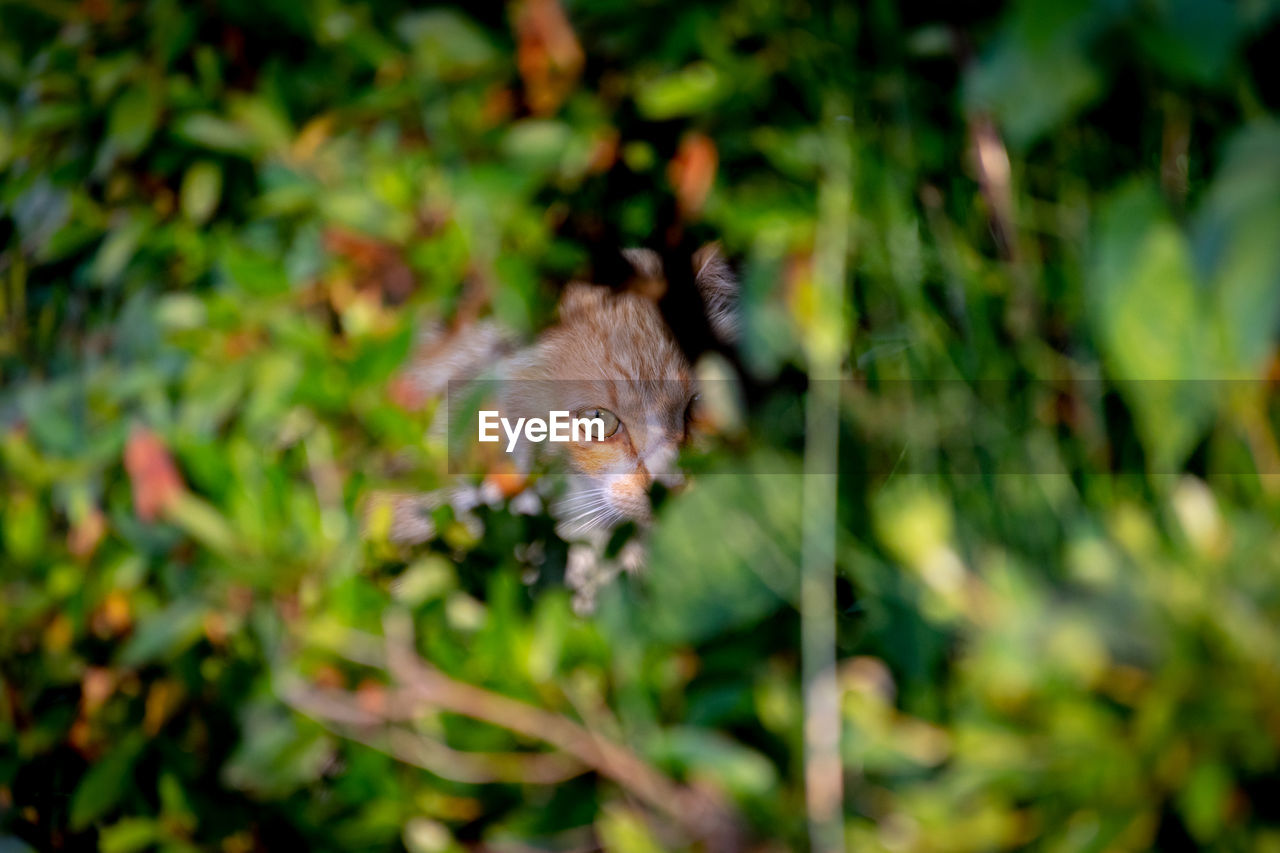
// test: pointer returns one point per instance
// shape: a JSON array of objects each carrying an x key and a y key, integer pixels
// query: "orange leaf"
[
  {"x": 96, "y": 686},
  {"x": 113, "y": 616},
  {"x": 376, "y": 266},
  {"x": 1273, "y": 369},
  {"x": 692, "y": 171},
  {"x": 509, "y": 482},
  {"x": 372, "y": 697},
  {"x": 547, "y": 53},
  {"x": 499, "y": 105},
  {"x": 406, "y": 392},
  {"x": 155, "y": 479},
  {"x": 98, "y": 11},
  {"x": 162, "y": 700},
  {"x": 314, "y": 134},
  {"x": 86, "y": 533},
  {"x": 604, "y": 152},
  {"x": 59, "y": 634},
  {"x": 329, "y": 676},
  {"x": 360, "y": 249},
  {"x": 80, "y": 737},
  {"x": 215, "y": 628}
]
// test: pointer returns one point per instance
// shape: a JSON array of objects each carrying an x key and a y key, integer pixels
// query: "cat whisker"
[
  {"x": 582, "y": 503},
  {"x": 584, "y": 495},
  {"x": 600, "y": 517},
  {"x": 586, "y": 515},
  {"x": 578, "y": 506}
]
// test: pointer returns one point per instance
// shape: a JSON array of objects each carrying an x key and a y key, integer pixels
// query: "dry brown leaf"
[{"x": 377, "y": 266}]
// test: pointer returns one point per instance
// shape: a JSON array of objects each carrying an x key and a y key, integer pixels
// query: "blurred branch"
[
  {"x": 420, "y": 687},
  {"x": 994, "y": 171},
  {"x": 995, "y": 178},
  {"x": 695, "y": 811},
  {"x": 825, "y": 346},
  {"x": 342, "y": 709},
  {"x": 1175, "y": 146}
]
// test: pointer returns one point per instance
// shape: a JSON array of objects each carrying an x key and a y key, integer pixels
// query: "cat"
[{"x": 611, "y": 356}]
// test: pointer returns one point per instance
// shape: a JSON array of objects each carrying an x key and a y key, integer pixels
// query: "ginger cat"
[{"x": 611, "y": 356}]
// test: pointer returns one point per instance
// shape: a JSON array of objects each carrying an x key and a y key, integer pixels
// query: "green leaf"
[
  {"x": 201, "y": 189},
  {"x": 275, "y": 756},
  {"x": 1194, "y": 39},
  {"x": 25, "y": 527},
  {"x": 205, "y": 524},
  {"x": 747, "y": 572},
  {"x": 215, "y": 133},
  {"x": 164, "y": 634},
  {"x": 738, "y": 769},
  {"x": 105, "y": 782},
  {"x": 537, "y": 144},
  {"x": 175, "y": 804},
  {"x": 624, "y": 831},
  {"x": 1205, "y": 800},
  {"x": 263, "y": 121},
  {"x": 255, "y": 272},
  {"x": 129, "y": 835},
  {"x": 134, "y": 116},
  {"x": 690, "y": 91},
  {"x": 1149, "y": 311},
  {"x": 119, "y": 248},
  {"x": 1235, "y": 237},
  {"x": 446, "y": 43},
  {"x": 1038, "y": 73}
]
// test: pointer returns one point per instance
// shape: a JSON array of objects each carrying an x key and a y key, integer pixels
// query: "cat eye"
[
  {"x": 611, "y": 422},
  {"x": 691, "y": 410},
  {"x": 691, "y": 407}
]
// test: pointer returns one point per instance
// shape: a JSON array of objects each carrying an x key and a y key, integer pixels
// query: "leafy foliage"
[{"x": 1058, "y": 589}]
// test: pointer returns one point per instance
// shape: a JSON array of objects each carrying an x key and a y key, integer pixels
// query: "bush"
[{"x": 1035, "y": 245}]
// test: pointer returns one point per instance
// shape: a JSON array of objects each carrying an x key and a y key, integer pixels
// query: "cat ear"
[
  {"x": 719, "y": 288},
  {"x": 714, "y": 279},
  {"x": 579, "y": 297},
  {"x": 647, "y": 279},
  {"x": 646, "y": 262}
]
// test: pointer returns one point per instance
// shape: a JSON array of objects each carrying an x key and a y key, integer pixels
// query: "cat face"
[{"x": 612, "y": 356}]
